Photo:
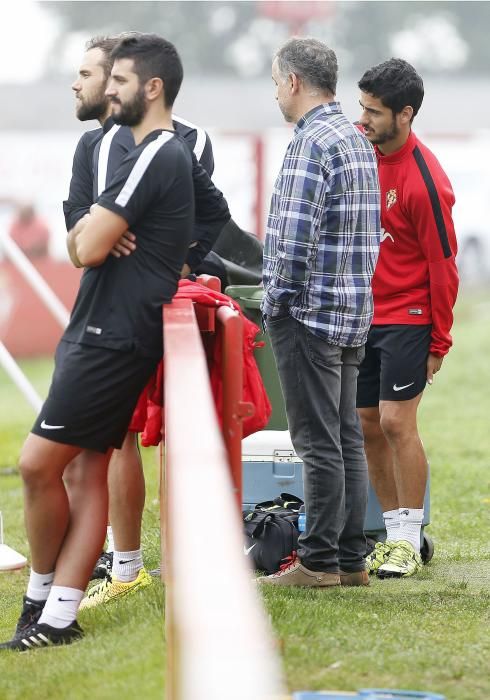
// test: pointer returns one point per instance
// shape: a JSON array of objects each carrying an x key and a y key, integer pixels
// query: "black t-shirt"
[
  {"x": 119, "y": 304},
  {"x": 80, "y": 196}
]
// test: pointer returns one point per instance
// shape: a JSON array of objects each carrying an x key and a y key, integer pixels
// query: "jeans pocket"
[
  {"x": 272, "y": 320},
  {"x": 320, "y": 351}
]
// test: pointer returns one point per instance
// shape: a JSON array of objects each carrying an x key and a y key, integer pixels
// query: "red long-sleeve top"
[{"x": 416, "y": 279}]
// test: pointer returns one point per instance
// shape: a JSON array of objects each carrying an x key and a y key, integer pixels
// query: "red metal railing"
[
  {"x": 227, "y": 322},
  {"x": 234, "y": 409}
]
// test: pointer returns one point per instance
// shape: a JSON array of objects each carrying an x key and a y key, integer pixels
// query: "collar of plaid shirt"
[{"x": 325, "y": 108}]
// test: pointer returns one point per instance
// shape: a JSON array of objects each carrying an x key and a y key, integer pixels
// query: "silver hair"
[{"x": 310, "y": 60}]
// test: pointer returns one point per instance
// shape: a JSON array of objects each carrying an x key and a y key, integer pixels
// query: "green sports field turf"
[{"x": 428, "y": 633}]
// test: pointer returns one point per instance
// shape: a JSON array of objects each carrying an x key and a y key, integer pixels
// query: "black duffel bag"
[{"x": 271, "y": 532}]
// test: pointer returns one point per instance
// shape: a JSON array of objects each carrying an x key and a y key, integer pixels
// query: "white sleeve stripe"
[
  {"x": 105, "y": 146},
  {"x": 200, "y": 135},
  {"x": 140, "y": 167}
]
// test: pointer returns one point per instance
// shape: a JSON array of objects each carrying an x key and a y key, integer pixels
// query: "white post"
[
  {"x": 219, "y": 641},
  {"x": 46, "y": 294},
  {"x": 19, "y": 379},
  {"x": 9, "y": 558},
  {"x": 37, "y": 282}
]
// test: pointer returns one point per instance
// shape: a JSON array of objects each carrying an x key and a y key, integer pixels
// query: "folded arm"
[{"x": 93, "y": 237}]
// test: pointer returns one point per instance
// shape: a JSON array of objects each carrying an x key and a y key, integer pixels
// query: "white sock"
[
  {"x": 410, "y": 525},
  {"x": 61, "y": 606},
  {"x": 110, "y": 540},
  {"x": 392, "y": 524},
  {"x": 39, "y": 585},
  {"x": 127, "y": 565}
]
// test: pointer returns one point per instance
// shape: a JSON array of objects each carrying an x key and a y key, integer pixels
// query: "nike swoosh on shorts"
[{"x": 46, "y": 426}]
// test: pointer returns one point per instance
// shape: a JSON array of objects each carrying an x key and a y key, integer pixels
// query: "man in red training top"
[{"x": 415, "y": 286}]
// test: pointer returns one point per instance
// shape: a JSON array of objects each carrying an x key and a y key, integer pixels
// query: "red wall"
[{"x": 29, "y": 329}]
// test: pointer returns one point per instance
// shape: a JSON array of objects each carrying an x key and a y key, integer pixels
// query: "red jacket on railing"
[{"x": 147, "y": 417}]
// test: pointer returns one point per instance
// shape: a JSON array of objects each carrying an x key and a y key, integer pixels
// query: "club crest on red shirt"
[{"x": 390, "y": 198}]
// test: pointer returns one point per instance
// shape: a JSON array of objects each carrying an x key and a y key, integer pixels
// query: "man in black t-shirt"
[
  {"x": 97, "y": 157},
  {"x": 112, "y": 343}
]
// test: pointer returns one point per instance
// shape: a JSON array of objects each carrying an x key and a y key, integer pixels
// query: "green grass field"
[{"x": 428, "y": 633}]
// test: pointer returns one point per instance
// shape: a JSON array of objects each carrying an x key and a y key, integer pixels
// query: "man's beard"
[
  {"x": 94, "y": 109},
  {"x": 131, "y": 113},
  {"x": 385, "y": 136}
]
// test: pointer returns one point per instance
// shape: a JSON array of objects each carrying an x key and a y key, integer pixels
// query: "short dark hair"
[
  {"x": 106, "y": 44},
  {"x": 396, "y": 83},
  {"x": 310, "y": 60},
  {"x": 154, "y": 57}
]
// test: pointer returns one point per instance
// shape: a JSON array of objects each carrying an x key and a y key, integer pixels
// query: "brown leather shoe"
[
  {"x": 295, "y": 574},
  {"x": 354, "y": 578}
]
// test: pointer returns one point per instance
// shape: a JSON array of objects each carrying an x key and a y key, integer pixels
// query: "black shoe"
[
  {"x": 103, "y": 567},
  {"x": 42, "y": 635},
  {"x": 31, "y": 612}
]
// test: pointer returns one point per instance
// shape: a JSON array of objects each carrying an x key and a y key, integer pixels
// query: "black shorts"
[
  {"x": 395, "y": 365},
  {"x": 93, "y": 393}
]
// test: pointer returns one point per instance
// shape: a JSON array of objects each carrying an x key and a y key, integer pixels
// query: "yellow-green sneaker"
[
  {"x": 110, "y": 589},
  {"x": 402, "y": 561},
  {"x": 378, "y": 556}
]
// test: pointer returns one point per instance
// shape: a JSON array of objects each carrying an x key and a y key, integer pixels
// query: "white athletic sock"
[
  {"x": 61, "y": 606},
  {"x": 110, "y": 540},
  {"x": 39, "y": 585},
  {"x": 127, "y": 565},
  {"x": 392, "y": 524},
  {"x": 410, "y": 525}
]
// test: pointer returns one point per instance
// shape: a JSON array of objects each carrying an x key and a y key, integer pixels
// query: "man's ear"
[
  {"x": 406, "y": 115},
  {"x": 153, "y": 88},
  {"x": 294, "y": 83}
]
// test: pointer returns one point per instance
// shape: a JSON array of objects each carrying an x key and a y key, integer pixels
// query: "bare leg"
[
  {"x": 380, "y": 459},
  {"x": 126, "y": 495},
  {"x": 86, "y": 479},
  {"x": 46, "y": 507},
  {"x": 398, "y": 420}
]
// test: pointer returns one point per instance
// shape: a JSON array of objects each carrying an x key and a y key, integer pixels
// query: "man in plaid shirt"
[{"x": 321, "y": 247}]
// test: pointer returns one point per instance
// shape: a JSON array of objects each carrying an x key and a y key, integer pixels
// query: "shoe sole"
[
  {"x": 357, "y": 582},
  {"x": 395, "y": 574},
  {"x": 113, "y": 598}
]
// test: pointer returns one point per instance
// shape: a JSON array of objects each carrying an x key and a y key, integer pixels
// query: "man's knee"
[
  {"x": 32, "y": 468},
  {"x": 397, "y": 424},
  {"x": 370, "y": 422},
  {"x": 128, "y": 457},
  {"x": 42, "y": 462}
]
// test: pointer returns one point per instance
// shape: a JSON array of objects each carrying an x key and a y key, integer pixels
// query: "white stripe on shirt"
[
  {"x": 105, "y": 146},
  {"x": 200, "y": 135},
  {"x": 140, "y": 167}
]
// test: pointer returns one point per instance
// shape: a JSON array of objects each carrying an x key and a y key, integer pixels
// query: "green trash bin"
[{"x": 250, "y": 298}]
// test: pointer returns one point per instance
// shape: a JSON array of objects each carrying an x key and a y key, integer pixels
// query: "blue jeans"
[{"x": 319, "y": 383}]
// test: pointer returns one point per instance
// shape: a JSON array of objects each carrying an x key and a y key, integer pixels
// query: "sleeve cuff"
[
  {"x": 194, "y": 257},
  {"x": 116, "y": 209}
]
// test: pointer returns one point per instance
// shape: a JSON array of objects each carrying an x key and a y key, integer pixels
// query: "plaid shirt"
[{"x": 323, "y": 230}]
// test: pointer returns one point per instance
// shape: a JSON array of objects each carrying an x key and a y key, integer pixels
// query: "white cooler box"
[{"x": 270, "y": 466}]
